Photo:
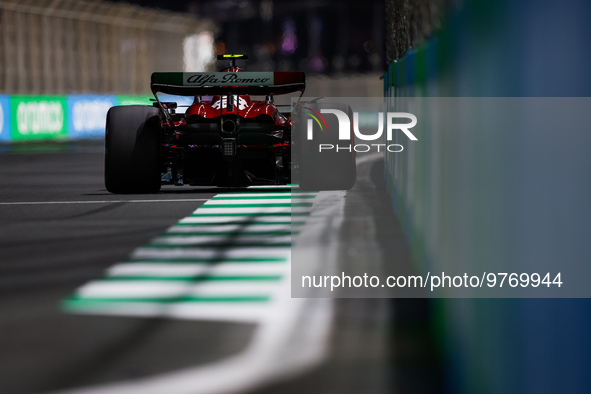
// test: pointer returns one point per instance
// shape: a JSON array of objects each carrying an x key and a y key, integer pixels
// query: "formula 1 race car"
[{"x": 225, "y": 137}]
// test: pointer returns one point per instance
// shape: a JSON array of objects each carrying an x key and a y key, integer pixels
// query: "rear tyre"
[
  {"x": 132, "y": 150},
  {"x": 329, "y": 169}
]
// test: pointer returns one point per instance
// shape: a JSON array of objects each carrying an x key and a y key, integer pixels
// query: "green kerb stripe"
[
  {"x": 173, "y": 233},
  {"x": 264, "y": 198},
  {"x": 195, "y": 278},
  {"x": 225, "y": 245},
  {"x": 212, "y": 261},
  {"x": 251, "y": 214},
  {"x": 242, "y": 223},
  {"x": 282, "y": 190}
]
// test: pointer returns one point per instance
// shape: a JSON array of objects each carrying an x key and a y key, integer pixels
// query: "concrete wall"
[
  {"x": 90, "y": 47},
  {"x": 471, "y": 197}
]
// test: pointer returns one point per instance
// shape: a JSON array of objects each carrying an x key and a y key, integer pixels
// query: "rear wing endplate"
[{"x": 228, "y": 83}]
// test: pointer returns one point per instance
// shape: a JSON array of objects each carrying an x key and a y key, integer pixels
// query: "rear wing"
[{"x": 228, "y": 83}]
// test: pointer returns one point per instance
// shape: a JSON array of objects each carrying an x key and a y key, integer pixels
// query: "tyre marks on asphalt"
[{"x": 228, "y": 261}]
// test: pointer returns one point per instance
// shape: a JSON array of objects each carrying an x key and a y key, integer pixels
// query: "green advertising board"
[{"x": 38, "y": 118}]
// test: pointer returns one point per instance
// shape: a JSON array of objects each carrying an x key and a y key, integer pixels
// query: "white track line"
[{"x": 99, "y": 201}]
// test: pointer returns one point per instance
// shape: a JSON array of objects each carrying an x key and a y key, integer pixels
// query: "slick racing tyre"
[
  {"x": 132, "y": 150},
  {"x": 328, "y": 168}
]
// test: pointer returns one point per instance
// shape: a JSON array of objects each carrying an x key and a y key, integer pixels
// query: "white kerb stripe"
[
  {"x": 237, "y": 228},
  {"x": 204, "y": 240},
  {"x": 204, "y": 210},
  {"x": 156, "y": 289},
  {"x": 264, "y": 195},
  {"x": 244, "y": 311},
  {"x": 261, "y": 201},
  {"x": 212, "y": 253},
  {"x": 255, "y": 220}
]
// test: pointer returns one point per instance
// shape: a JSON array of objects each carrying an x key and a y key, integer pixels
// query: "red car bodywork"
[{"x": 227, "y": 138}]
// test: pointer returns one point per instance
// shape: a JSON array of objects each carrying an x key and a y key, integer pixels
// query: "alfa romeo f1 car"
[{"x": 226, "y": 137}]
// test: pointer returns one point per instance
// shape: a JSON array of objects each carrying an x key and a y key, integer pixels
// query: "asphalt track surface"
[{"x": 60, "y": 229}]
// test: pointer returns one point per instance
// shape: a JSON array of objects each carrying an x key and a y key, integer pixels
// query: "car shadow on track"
[{"x": 199, "y": 190}]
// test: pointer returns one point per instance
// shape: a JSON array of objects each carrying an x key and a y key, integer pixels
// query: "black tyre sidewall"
[
  {"x": 326, "y": 170},
  {"x": 132, "y": 150}
]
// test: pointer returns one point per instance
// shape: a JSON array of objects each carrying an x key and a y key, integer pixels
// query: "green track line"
[
  {"x": 245, "y": 224},
  {"x": 227, "y": 234},
  {"x": 247, "y": 214},
  {"x": 201, "y": 260},
  {"x": 263, "y": 198},
  {"x": 269, "y": 205},
  {"x": 190, "y": 246},
  {"x": 194, "y": 278}
]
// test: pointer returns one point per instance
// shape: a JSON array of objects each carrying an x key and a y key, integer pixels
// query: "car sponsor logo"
[
  {"x": 228, "y": 79},
  {"x": 239, "y": 101},
  {"x": 344, "y": 129}
]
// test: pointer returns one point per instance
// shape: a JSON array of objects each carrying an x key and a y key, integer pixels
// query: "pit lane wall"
[
  {"x": 39, "y": 118},
  {"x": 468, "y": 207}
]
